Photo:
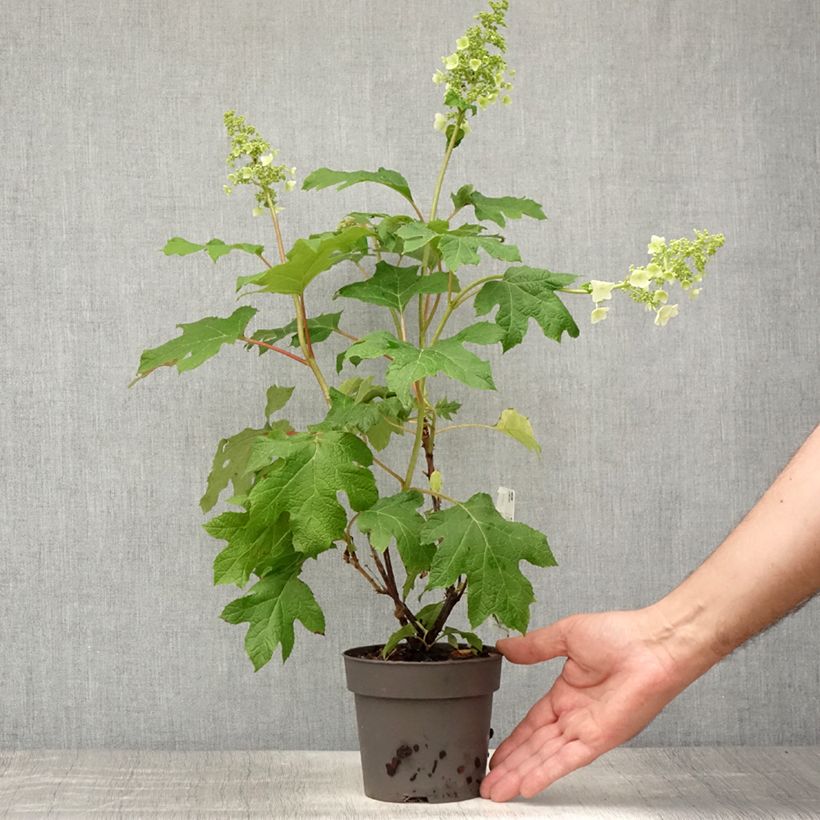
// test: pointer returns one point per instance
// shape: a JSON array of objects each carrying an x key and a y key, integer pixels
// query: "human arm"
[{"x": 623, "y": 668}]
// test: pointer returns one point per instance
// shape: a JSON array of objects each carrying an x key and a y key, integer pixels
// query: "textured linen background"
[{"x": 629, "y": 118}]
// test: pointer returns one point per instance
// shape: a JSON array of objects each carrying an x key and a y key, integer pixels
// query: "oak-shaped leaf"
[
  {"x": 230, "y": 463},
  {"x": 526, "y": 293},
  {"x": 319, "y": 327},
  {"x": 497, "y": 209},
  {"x": 305, "y": 482},
  {"x": 199, "y": 342},
  {"x": 475, "y": 541},
  {"x": 251, "y": 548},
  {"x": 376, "y": 416},
  {"x": 396, "y": 518},
  {"x": 307, "y": 259},
  {"x": 272, "y": 607},
  {"x": 215, "y": 248},
  {"x": 325, "y": 178},
  {"x": 448, "y": 356},
  {"x": 393, "y": 287}
]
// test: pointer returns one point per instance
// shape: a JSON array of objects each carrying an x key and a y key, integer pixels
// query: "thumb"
[{"x": 538, "y": 645}]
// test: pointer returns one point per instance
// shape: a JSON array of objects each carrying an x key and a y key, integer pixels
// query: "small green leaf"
[
  {"x": 526, "y": 293},
  {"x": 458, "y": 249},
  {"x": 393, "y": 287},
  {"x": 272, "y": 607},
  {"x": 376, "y": 415},
  {"x": 518, "y": 427},
  {"x": 396, "y": 518},
  {"x": 306, "y": 482},
  {"x": 199, "y": 342},
  {"x": 447, "y": 409},
  {"x": 406, "y": 631},
  {"x": 415, "y": 235},
  {"x": 215, "y": 248},
  {"x": 325, "y": 178},
  {"x": 477, "y": 542},
  {"x": 497, "y": 209},
  {"x": 306, "y": 260},
  {"x": 319, "y": 327},
  {"x": 277, "y": 398},
  {"x": 473, "y": 641},
  {"x": 410, "y": 363}
]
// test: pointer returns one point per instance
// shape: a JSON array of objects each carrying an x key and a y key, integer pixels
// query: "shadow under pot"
[{"x": 424, "y": 726}]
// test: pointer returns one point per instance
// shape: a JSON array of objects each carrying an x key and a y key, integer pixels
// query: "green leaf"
[
  {"x": 410, "y": 363},
  {"x": 447, "y": 409},
  {"x": 396, "y": 518},
  {"x": 473, "y": 641},
  {"x": 377, "y": 419},
  {"x": 215, "y": 248},
  {"x": 277, "y": 397},
  {"x": 305, "y": 483},
  {"x": 319, "y": 327},
  {"x": 306, "y": 260},
  {"x": 496, "y": 209},
  {"x": 199, "y": 342},
  {"x": 406, "y": 631},
  {"x": 462, "y": 249},
  {"x": 475, "y": 541},
  {"x": 393, "y": 287},
  {"x": 250, "y": 549},
  {"x": 415, "y": 235},
  {"x": 271, "y": 608},
  {"x": 518, "y": 427},
  {"x": 325, "y": 178},
  {"x": 231, "y": 462},
  {"x": 527, "y": 293}
]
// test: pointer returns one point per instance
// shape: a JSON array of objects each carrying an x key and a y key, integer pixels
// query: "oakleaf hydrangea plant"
[{"x": 296, "y": 494}]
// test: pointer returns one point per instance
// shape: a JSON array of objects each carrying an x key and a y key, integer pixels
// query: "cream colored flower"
[
  {"x": 665, "y": 314},
  {"x": 599, "y": 314},
  {"x": 661, "y": 297},
  {"x": 462, "y": 43},
  {"x": 601, "y": 290},
  {"x": 639, "y": 278},
  {"x": 266, "y": 159},
  {"x": 258, "y": 211},
  {"x": 290, "y": 184},
  {"x": 656, "y": 244},
  {"x": 475, "y": 64},
  {"x": 693, "y": 294},
  {"x": 451, "y": 62},
  {"x": 440, "y": 122}
]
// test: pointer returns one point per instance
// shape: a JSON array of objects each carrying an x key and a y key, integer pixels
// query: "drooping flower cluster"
[
  {"x": 475, "y": 74},
  {"x": 670, "y": 263},
  {"x": 259, "y": 170}
]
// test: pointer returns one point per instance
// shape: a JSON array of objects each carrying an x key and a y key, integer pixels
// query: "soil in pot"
[{"x": 423, "y": 721}]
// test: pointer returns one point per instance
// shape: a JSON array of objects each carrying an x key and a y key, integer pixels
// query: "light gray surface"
[
  {"x": 674, "y": 784},
  {"x": 629, "y": 119}
]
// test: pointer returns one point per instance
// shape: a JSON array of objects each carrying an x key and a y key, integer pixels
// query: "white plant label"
[{"x": 505, "y": 503}]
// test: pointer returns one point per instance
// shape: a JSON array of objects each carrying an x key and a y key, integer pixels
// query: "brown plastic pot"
[{"x": 424, "y": 726}]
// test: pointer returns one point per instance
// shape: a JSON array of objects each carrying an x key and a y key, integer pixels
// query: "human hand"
[{"x": 619, "y": 674}]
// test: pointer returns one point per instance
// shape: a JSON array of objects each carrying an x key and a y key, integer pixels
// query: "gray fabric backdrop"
[{"x": 630, "y": 118}]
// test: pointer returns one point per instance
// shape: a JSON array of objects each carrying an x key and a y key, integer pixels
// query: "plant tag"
[{"x": 505, "y": 503}]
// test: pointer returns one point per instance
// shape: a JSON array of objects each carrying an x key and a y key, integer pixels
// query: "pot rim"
[{"x": 493, "y": 657}]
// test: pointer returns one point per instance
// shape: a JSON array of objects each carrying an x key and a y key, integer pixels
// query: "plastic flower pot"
[{"x": 424, "y": 726}]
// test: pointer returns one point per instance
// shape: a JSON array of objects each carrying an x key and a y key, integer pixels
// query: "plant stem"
[
  {"x": 447, "y": 154},
  {"x": 414, "y": 453},
  {"x": 388, "y": 470},
  {"x": 293, "y": 356},
  {"x": 451, "y": 597},
  {"x": 350, "y": 557},
  {"x": 466, "y": 426},
  {"x": 459, "y": 300},
  {"x": 442, "y": 496}
]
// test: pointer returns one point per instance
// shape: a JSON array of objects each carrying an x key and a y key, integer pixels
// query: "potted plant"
[{"x": 424, "y": 695}]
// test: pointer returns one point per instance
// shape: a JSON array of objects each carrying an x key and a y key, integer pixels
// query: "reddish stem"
[{"x": 274, "y": 348}]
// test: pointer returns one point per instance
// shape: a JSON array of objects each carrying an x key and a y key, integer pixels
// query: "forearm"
[{"x": 767, "y": 566}]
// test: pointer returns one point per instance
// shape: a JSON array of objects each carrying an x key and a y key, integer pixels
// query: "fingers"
[
  {"x": 570, "y": 757},
  {"x": 504, "y": 782},
  {"x": 541, "y": 714},
  {"x": 538, "y": 645}
]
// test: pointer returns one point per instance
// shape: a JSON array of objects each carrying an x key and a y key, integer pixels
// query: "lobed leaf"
[
  {"x": 496, "y": 209},
  {"x": 199, "y": 342},
  {"x": 475, "y": 541},
  {"x": 325, "y": 178},
  {"x": 526, "y": 293},
  {"x": 215, "y": 248}
]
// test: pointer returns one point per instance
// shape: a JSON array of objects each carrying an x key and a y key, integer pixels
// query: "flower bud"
[{"x": 599, "y": 314}]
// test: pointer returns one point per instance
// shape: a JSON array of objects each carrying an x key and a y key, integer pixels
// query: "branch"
[
  {"x": 451, "y": 597},
  {"x": 287, "y": 353}
]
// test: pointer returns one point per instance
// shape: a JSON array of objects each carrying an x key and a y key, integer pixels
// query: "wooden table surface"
[{"x": 727, "y": 782}]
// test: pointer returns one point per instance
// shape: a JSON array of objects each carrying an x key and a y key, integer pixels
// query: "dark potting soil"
[{"x": 437, "y": 652}]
